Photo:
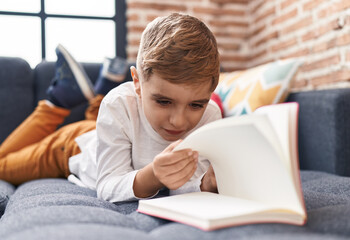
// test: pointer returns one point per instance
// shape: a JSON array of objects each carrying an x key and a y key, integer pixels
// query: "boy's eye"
[
  {"x": 196, "y": 105},
  {"x": 163, "y": 102}
]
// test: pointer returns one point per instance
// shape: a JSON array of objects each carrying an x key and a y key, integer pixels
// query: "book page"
[
  {"x": 279, "y": 117},
  {"x": 287, "y": 131},
  {"x": 210, "y": 211},
  {"x": 221, "y": 206},
  {"x": 246, "y": 163}
]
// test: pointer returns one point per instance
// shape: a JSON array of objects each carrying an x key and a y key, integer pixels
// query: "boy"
[{"x": 138, "y": 122}]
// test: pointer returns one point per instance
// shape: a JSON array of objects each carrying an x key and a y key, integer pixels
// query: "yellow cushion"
[{"x": 241, "y": 92}]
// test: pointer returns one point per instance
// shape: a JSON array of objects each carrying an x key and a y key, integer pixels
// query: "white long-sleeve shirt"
[{"x": 123, "y": 143}]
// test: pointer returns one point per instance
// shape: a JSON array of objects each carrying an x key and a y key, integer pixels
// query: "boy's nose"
[{"x": 177, "y": 119}]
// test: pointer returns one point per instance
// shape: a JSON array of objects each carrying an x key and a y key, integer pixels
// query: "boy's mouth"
[{"x": 173, "y": 132}]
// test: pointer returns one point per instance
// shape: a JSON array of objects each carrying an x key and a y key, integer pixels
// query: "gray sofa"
[{"x": 57, "y": 209}]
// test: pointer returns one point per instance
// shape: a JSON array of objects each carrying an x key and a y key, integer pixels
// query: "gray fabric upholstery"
[
  {"x": 324, "y": 132},
  {"x": 6, "y": 190},
  {"x": 58, "y": 209},
  {"x": 16, "y": 93}
]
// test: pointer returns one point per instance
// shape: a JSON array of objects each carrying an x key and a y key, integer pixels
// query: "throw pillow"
[
  {"x": 216, "y": 98},
  {"x": 241, "y": 92}
]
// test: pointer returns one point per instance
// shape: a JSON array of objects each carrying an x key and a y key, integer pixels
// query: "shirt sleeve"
[{"x": 115, "y": 173}]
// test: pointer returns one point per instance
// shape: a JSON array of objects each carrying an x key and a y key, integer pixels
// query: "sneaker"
[
  {"x": 112, "y": 74},
  {"x": 71, "y": 85}
]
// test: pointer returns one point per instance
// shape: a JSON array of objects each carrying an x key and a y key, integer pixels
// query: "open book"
[{"x": 255, "y": 160}]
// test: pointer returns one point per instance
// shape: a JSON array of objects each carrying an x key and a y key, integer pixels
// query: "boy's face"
[{"x": 172, "y": 109}]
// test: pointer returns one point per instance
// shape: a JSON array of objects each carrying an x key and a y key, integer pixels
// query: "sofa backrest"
[
  {"x": 324, "y": 130},
  {"x": 16, "y": 93},
  {"x": 21, "y": 87},
  {"x": 44, "y": 73},
  {"x": 324, "y": 118}
]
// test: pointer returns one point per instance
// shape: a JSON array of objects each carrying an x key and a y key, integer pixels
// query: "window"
[{"x": 89, "y": 29}]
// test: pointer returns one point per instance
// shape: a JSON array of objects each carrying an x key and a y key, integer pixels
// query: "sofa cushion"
[
  {"x": 243, "y": 91},
  {"x": 16, "y": 93},
  {"x": 49, "y": 192},
  {"x": 48, "y": 203},
  {"x": 83, "y": 231},
  {"x": 57, "y": 209},
  {"x": 6, "y": 190}
]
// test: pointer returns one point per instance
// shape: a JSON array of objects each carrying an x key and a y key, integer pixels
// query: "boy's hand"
[
  {"x": 209, "y": 181},
  {"x": 174, "y": 169}
]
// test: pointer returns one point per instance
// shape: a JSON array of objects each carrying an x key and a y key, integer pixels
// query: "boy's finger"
[
  {"x": 171, "y": 147},
  {"x": 181, "y": 155},
  {"x": 181, "y": 166},
  {"x": 185, "y": 177}
]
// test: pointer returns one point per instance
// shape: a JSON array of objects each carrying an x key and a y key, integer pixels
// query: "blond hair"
[{"x": 180, "y": 49}]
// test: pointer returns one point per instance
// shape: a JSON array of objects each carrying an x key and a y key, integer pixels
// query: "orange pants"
[{"x": 35, "y": 149}]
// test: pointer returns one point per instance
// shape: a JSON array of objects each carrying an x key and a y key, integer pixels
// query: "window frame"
[{"x": 119, "y": 20}]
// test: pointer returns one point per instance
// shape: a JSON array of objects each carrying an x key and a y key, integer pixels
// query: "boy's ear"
[{"x": 136, "y": 80}]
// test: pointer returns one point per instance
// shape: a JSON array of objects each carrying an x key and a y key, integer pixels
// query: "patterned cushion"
[{"x": 241, "y": 92}]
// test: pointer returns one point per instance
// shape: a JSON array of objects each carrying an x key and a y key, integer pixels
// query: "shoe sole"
[
  {"x": 79, "y": 73},
  {"x": 117, "y": 77}
]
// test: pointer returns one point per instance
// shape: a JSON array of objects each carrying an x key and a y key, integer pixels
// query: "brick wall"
[{"x": 252, "y": 32}]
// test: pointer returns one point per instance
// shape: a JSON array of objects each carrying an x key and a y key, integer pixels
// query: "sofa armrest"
[
  {"x": 16, "y": 93},
  {"x": 324, "y": 130}
]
